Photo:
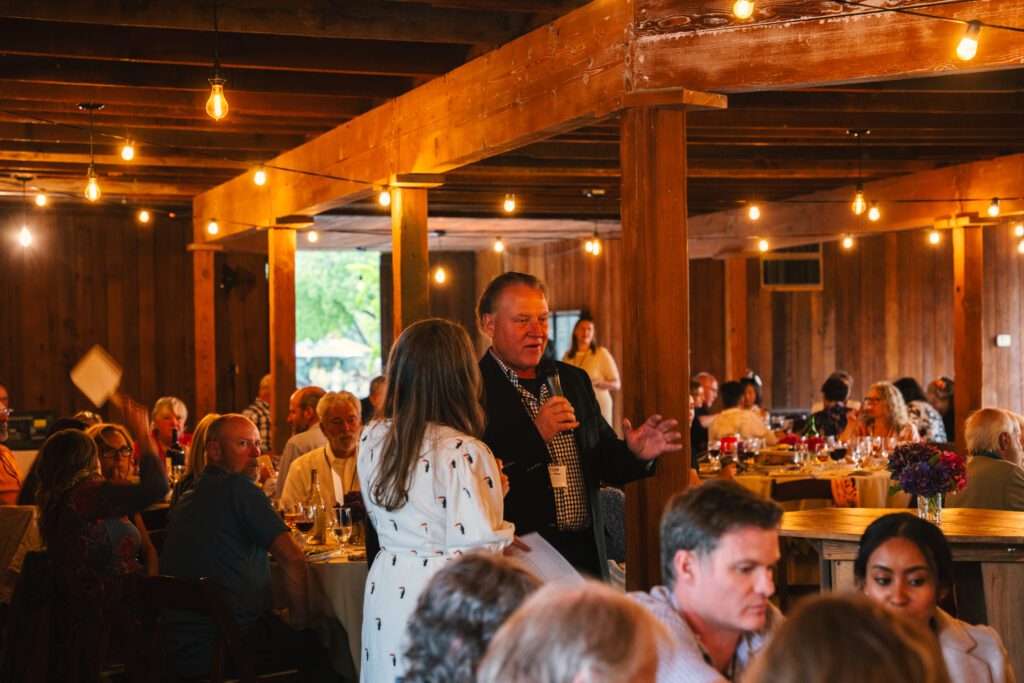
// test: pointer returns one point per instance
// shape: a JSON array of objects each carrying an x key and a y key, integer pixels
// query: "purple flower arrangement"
[
  {"x": 922, "y": 469},
  {"x": 354, "y": 500}
]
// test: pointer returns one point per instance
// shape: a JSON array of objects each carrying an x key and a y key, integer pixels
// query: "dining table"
[{"x": 988, "y": 556}]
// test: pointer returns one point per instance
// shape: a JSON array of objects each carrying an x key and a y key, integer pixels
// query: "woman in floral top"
[{"x": 926, "y": 419}]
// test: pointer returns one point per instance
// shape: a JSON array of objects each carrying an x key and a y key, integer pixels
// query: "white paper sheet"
[
  {"x": 543, "y": 561},
  {"x": 97, "y": 375}
]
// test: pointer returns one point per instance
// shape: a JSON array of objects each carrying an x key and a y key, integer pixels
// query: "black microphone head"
[{"x": 546, "y": 368}]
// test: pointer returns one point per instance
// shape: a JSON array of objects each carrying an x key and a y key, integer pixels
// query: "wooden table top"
[{"x": 960, "y": 525}]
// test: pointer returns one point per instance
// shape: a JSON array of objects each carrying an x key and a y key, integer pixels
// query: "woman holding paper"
[{"x": 432, "y": 489}]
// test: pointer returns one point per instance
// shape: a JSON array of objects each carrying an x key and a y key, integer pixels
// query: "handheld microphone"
[{"x": 549, "y": 373}]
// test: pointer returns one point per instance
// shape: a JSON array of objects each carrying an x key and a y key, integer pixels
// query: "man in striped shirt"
[{"x": 719, "y": 546}]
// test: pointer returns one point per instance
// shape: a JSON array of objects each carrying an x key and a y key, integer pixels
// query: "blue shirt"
[{"x": 221, "y": 528}]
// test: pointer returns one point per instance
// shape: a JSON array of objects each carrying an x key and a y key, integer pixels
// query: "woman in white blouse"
[
  {"x": 595, "y": 360},
  {"x": 432, "y": 489}
]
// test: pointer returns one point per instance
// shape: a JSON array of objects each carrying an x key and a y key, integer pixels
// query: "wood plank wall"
[{"x": 94, "y": 275}]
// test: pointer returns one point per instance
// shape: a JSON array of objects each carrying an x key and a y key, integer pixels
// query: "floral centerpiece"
[
  {"x": 354, "y": 501},
  {"x": 790, "y": 440},
  {"x": 925, "y": 471}
]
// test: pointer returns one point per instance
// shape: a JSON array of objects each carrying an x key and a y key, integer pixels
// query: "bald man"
[
  {"x": 259, "y": 412},
  {"x": 306, "y": 432}
]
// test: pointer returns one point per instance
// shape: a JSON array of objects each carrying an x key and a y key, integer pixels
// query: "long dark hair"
[
  {"x": 928, "y": 538},
  {"x": 68, "y": 458},
  {"x": 432, "y": 377},
  {"x": 574, "y": 347}
]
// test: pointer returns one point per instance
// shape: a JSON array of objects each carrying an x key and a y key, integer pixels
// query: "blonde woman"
[
  {"x": 595, "y": 360},
  {"x": 196, "y": 459},
  {"x": 575, "y": 633},
  {"x": 883, "y": 413},
  {"x": 432, "y": 489}
]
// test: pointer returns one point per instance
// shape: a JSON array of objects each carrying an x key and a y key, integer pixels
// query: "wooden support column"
[
  {"x": 968, "y": 336},
  {"x": 281, "y": 255},
  {"x": 736, "y": 363},
  {"x": 410, "y": 259},
  {"x": 203, "y": 291},
  {"x": 655, "y": 295}
]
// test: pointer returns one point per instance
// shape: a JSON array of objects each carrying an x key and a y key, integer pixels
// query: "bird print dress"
[{"x": 454, "y": 506}]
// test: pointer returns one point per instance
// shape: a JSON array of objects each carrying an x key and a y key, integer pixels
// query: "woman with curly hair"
[
  {"x": 459, "y": 612},
  {"x": 883, "y": 413}
]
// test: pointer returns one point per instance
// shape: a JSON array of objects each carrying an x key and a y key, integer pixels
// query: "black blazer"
[{"x": 512, "y": 436}]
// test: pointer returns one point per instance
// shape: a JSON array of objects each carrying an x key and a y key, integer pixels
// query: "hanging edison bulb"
[
  {"x": 440, "y": 276},
  {"x": 259, "y": 176},
  {"x": 1020, "y": 247},
  {"x": 384, "y": 198},
  {"x": 1018, "y": 230},
  {"x": 968, "y": 46},
  {"x": 597, "y": 246},
  {"x": 847, "y": 242},
  {"x": 753, "y": 212},
  {"x": 212, "y": 227},
  {"x": 92, "y": 186},
  {"x": 589, "y": 247},
  {"x": 934, "y": 237},
  {"x": 144, "y": 216},
  {"x": 217, "y": 105},
  {"x": 509, "y": 205},
  {"x": 312, "y": 237},
  {"x": 499, "y": 246},
  {"x": 41, "y": 198},
  {"x": 762, "y": 245},
  {"x": 874, "y": 213},
  {"x": 25, "y": 236},
  {"x": 993, "y": 207},
  {"x": 859, "y": 204},
  {"x": 128, "y": 150},
  {"x": 743, "y": 9}
]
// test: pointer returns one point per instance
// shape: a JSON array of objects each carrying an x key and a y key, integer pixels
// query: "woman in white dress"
[
  {"x": 595, "y": 360},
  {"x": 432, "y": 489}
]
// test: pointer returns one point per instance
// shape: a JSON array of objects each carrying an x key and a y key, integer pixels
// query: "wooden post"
[
  {"x": 736, "y": 363},
  {"x": 409, "y": 257},
  {"x": 967, "y": 325},
  {"x": 281, "y": 254},
  {"x": 203, "y": 290},
  {"x": 655, "y": 295}
]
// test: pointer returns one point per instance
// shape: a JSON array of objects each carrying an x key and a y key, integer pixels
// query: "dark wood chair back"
[{"x": 801, "y": 489}]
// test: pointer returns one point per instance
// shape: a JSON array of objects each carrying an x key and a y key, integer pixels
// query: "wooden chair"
[
  {"x": 790, "y": 491},
  {"x": 202, "y": 597}
]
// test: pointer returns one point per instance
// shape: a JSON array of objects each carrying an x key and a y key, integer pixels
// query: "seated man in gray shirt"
[
  {"x": 223, "y": 528},
  {"x": 719, "y": 546}
]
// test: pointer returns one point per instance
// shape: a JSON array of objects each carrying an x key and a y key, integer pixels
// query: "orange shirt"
[{"x": 10, "y": 477}]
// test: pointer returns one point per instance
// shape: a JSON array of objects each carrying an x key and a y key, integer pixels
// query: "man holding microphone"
[{"x": 545, "y": 425}]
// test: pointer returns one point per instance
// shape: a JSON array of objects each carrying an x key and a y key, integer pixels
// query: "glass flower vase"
[{"x": 929, "y": 508}]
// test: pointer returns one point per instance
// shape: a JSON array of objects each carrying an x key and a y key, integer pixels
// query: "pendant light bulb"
[
  {"x": 144, "y": 216},
  {"x": 439, "y": 275},
  {"x": 859, "y": 205},
  {"x": 589, "y": 247},
  {"x": 753, "y": 212},
  {"x": 25, "y": 236},
  {"x": 847, "y": 242},
  {"x": 312, "y": 237},
  {"x": 993, "y": 207},
  {"x": 874, "y": 213},
  {"x": 217, "y": 105},
  {"x": 384, "y": 198},
  {"x": 762, "y": 245},
  {"x": 968, "y": 46},
  {"x": 41, "y": 199},
  {"x": 259, "y": 176},
  {"x": 1018, "y": 230},
  {"x": 1020, "y": 247},
  {"x": 499, "y": 246},
  {"x": 509, "y": 205},
  {"x": 212, "y": 228},
  {"x": 128, "y": 150},
  {"x": 743, "y": 9},
  {"x": 92, "y": 187},
  {"x": 597, "y": 246},
  {"x": 934, "y": 237}
]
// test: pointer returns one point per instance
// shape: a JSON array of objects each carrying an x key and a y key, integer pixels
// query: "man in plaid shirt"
[
  {"x": 259, "y": 413},
  {"x": 555, "y": 450}
]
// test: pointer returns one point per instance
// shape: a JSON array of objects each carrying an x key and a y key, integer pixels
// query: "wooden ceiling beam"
[
  {"x": 119, "y": 125},
  {"x": 113, "y": 188},
  {"x": 143, "y": 160},
  {"x": 675, "y": 46},
  {"x": 35, "y": 133},
  {"x": 879, "y": 101},
  {"x": 352, "y": 19},
  {"x": 237, "y": 50}
]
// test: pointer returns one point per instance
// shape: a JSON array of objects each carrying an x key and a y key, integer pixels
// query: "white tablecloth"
[{"x": 872, "y": 487}]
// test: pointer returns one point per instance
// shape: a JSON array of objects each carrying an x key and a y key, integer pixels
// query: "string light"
[
  {"x": 753, "y": 212},
  {"x": 41, "y": 198},
  {"x": 312, "y": 237},
  {"x": 260, "y": 176},
  {"x": 1020, "y": 247},
  {"x": 144, "y": 216},
  {"x": 859, "y": 205},
  {"x": 934, "y": 237},
  {"x": 217, "y": 105},
  {"x": 743, "y": 9},
  {"x": 25, "y": 237},
  {"x": 762, "y": 245},
  {"x": 1018, "y": 230},
  {"x": 212, "y": 227},
  {"x": 847, "y": 243},
  {"x": 509, "y": 205},
  {"x": 439, "y": 275},
  {"x": 993, "y": 207},
  {"x": 968, "y": 46},
  {"x": 597, "y": 246},
  {"x": 384, "y": 198},
  {"x": 128, "y": 150},
  {"x": 589, "y": 247},
  {"x": 873, "y": 213},
  {"x": 92, "y": 186},
  {"x": 499, "y": 246}
]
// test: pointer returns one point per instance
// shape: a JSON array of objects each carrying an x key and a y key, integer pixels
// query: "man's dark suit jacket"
[{"x": 512, "y": 436}]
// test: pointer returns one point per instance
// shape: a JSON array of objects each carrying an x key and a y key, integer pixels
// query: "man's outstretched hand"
[{"x": 652, "y": 438}]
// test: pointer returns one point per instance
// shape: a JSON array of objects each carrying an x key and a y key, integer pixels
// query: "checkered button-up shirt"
[
  {"x": 259, "y": 413},
  {"x": 572, "y": 510}
]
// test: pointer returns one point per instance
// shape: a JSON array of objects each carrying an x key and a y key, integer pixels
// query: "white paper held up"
[
  {"x": 542, "y": 560},
  {"x": 97, "y": 375}
]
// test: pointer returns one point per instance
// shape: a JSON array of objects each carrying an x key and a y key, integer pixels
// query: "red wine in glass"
[{"x": 304, "y": 526}]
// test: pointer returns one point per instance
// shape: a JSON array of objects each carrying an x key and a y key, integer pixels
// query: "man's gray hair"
[
  {"x": 984, "y": 427},
  {"x": 332, "y": 399}
]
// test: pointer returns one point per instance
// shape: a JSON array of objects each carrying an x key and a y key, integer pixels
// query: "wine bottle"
[
  {"x": 321, "y": 522},
  {"x": 812, "y": 429},
  {"x": 176, "y": 454}
]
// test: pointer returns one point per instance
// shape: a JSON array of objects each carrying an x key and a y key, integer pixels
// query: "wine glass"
[
  {"x": 305, "y": 518},
  {"x": 343, "y": 528}
]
